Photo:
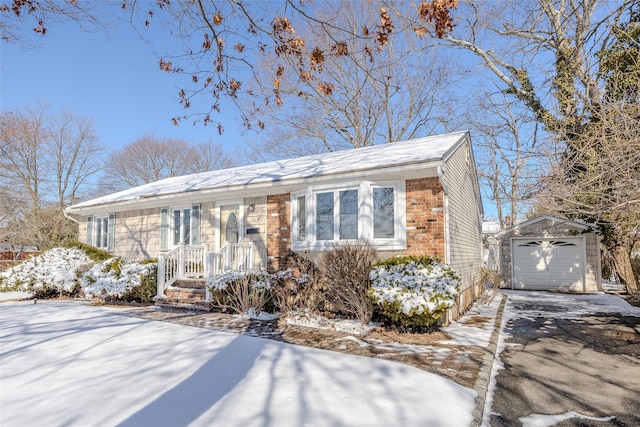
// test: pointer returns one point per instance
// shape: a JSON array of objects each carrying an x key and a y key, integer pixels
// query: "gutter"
[
  {"x": 258, "y": 188},
  {"x": 66, "y": 215},
  {"x": 445, "y": 188}
]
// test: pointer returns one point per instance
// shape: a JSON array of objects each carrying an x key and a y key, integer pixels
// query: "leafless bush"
[
  {"x": 242, "y": 293},
  {"x": 346, "y": 276},
  {"x": 492, "y": 279},
  {"x": 298, "y": 288}
]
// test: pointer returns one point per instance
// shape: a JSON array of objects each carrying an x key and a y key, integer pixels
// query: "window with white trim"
[
  {"x": 383, "y": 213},
  {"x": 336, "y": 215},
  {"x": 179, "y": 225},
  {"x": 325, "y": 215},
  {"x": 101, "y": 231},
  {"x": 101, "y": 235}
]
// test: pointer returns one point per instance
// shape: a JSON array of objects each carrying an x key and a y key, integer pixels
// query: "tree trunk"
[{"x": 622, "y": 262}]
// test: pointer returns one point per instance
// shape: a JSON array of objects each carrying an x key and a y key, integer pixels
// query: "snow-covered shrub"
[
  {"x": 413, "y": 291},
  {"x": 115, "y": 280},
  {"x": 244, "y": 292},
  {"x": 346, "y": 269},
  {"x": 97, "y": 255},
  {"x": 298, "y": 288},
  {"x": 72, "y": 272},
  {"x": 50, "y": 274}
]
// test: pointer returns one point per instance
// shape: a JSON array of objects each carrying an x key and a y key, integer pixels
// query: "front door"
[{"x": 229, "y": 224}]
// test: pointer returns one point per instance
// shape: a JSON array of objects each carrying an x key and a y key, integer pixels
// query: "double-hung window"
[
  {"x": 323, "y": 216},
  {"x": 179, "y": 225},
  {"x": 101, "y": 231},
  {"x": 337, "y": 215}
]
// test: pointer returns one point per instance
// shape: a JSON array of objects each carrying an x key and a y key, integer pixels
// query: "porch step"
[
  {"x": 187, "y": 294},
  {"x": 185, "y": 304},
  {"x": 189, "y": 283},
  {"x": 195, "y": 294}
]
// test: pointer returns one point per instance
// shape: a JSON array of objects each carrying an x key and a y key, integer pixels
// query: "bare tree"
[
  {"x": 600, "y": 182},
  {"x": 509, "y": 158},
  {"x": 222, "y": 40},
  {"x": 350, "y": 101},
  {"x": 152, "y": 158},
  {"x": 47, "y": 162},
  {"x": 74, "y": 152},
  {"x": 546, "y": 54}
]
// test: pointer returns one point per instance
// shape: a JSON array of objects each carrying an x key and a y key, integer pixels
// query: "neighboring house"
[
  {"x": 406, "y": 198},
  {"x": 490, "y": 244},
  {"x": 551, "y": 253},
  {"x": 11, "y": 254}
]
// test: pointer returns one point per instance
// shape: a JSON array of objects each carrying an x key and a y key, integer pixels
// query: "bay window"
[{"x": 374, "y": 212}]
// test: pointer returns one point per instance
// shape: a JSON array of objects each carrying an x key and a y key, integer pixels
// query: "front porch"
[{"x": 184, "y": 271}]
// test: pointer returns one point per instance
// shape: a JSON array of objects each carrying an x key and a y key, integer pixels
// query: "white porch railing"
[
  {"x": 230, "y": 257},
  {"x": 194, "y": 261},
  {"x": 181, "y": 262}
]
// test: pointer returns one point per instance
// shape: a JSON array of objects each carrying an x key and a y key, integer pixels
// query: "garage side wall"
[{"x": 554, "y": 229}]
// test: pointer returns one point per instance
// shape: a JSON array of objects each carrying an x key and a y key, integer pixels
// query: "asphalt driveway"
[{"x": 569, "y": 360}]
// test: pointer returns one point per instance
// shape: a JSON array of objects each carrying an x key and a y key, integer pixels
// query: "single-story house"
[
  {"x": 551, "y": 253},
  {"x": 419, "y": 196}
]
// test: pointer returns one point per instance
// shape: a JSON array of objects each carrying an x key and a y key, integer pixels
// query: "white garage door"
[{"x": 554, "y": 264}]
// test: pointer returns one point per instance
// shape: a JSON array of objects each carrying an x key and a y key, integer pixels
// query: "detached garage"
[{"x": 550, "y": 253}]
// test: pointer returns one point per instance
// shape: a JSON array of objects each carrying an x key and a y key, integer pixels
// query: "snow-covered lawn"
[{"x": 68, "y": 363}]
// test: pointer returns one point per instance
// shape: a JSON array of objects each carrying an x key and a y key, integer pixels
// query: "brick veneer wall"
[
  {"x": 425, "y": 217},
  {"x": 278, "y": 231}
]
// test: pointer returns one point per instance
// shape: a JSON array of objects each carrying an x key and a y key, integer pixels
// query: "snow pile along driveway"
[{"x": 66, "y": 363}]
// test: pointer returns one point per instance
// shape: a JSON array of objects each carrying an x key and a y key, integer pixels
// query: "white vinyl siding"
[{"x": 463, "y": 215}]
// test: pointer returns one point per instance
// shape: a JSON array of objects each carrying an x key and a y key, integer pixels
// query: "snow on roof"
[
  {"x": 490, "y": 227},
  {"x": 420, "y": 150}
]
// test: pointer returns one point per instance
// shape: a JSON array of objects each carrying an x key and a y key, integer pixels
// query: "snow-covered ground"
[
  {"x": 68, "y": 363},
  {"x": 14, "y": 296}
]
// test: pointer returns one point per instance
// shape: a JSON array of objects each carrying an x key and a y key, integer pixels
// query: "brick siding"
[
  {"x": 278, "y": 231},
  {"x": 425, "y": 217}
]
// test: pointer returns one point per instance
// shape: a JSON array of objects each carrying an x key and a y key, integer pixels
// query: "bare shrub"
[
  {"x": 244, "y": 292},
  {"x": 299, "y": 287},
  {"x": 492, "y": 280},
  {"x": 346, "y": 277}
]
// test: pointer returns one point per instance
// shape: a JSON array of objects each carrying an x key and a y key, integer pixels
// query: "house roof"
[
  {"x": 490, "y": 227},
  {"x": 551, "y": 218},
  {"x": 411, "y": 152}
]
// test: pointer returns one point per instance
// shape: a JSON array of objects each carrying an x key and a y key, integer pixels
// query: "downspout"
[
  {"x": 66, "y": 215},
  {"x": 445, "y": 188}
]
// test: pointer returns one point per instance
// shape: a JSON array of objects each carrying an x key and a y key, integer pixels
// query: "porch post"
[
  {"x": 160, "y": 279},
  {"x": 251, "y": 248},
  {"x": 181, "y": 261},
  {"x": 227, "y": 257},
  {"x": 208, "y": 273}
]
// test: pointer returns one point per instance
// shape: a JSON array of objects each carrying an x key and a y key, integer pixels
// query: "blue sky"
[{"x": 112, "y": 78}]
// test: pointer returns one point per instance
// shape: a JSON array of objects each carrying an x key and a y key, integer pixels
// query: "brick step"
[
  {"x": 189, "y": 283},
  {"x": 185, "y": 293},
  {"x": 187, "y": 304}
]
